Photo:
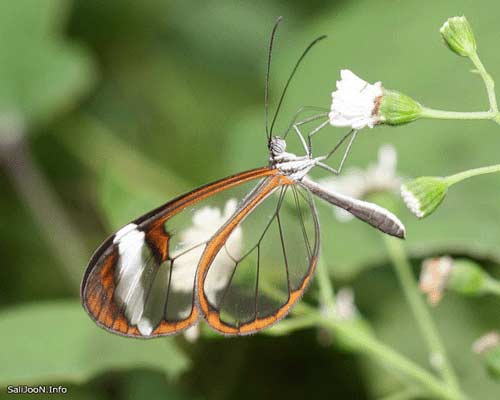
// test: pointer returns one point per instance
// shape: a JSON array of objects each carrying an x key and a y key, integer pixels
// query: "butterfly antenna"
[
  {"x": 268, "y": 73},
  {"x": 294, "y": 70}
]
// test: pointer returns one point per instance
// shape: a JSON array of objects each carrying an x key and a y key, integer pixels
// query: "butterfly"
[{"x": 238, "y": 252}]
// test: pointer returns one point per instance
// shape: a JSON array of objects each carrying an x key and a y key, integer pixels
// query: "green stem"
[
  {"x": 458, "y": 115},
  {"x": 406, "y": 394},
  {"x": 307, "y": 316},
  {"x": 60, "y": 233},
  {"x": 420, "y": 311},
  {"x": 293, "y": 324},
  {"x": 367, "y": 344},
  {"x": 386, "y": 355},
  {"x": 452, "y": 179},
  {"x": 488, "y": 82},
  {"x": 492, "y": 114},
  {"x": 370, "y": 346},
  {"x": 326, "y": 291}
]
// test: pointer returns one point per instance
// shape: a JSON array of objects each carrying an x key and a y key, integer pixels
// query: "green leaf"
[
  {"x": 40, "y": 73},
  {"x": 58, "y": 342}
]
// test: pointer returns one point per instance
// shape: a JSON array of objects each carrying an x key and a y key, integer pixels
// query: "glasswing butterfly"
[{"x": 239, "y": 252}]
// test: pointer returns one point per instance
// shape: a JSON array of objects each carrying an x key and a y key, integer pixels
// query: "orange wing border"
[
  {"x": 211, "y": 315},
  {"x": 97, "y": 294}
]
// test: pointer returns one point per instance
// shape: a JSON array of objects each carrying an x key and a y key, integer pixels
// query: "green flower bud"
[
  {"x": 467, "y": 278},
  {"x": 457, "y": 34},
  {"x": 491, "y": 361},
  {"x": 488, "y": 347},
  {"x": 423, "y": 195},
  {"x": 397, "y": 108}
]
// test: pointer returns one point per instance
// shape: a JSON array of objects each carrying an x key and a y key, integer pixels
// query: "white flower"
[
  {"x": 436, "y": 360},
  {"x": 344, "y": 304},
  {"x": 486, "y": 342},
  {"x": 355, "y": 103},
  {"x": 344, "y": 309},
  {"x": 357, "y": 183},
  {"x": 434, "y": 275},
  {"x": 205, "y": 222},
  {"x": 192, "y": 333}
]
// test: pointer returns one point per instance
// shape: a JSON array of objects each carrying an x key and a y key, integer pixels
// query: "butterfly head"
[{"x": 277, "y": 146}]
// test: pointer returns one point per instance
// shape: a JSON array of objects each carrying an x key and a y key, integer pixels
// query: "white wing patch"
[
  {"x": 136, "y": 267},
  {"x": 134, "y": 258}
]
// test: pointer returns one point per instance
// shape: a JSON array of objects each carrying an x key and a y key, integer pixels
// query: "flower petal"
[{"x": 354, "y": 102}]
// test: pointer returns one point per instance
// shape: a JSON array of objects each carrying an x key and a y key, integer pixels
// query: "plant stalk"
[
  {"x": 488, "y": 82},
  {"x": 420, "y": 311},
  {"x": 56, "y": 227},
  {"x": 452, "y": 179},
  {"x": 457, "y": 115}
]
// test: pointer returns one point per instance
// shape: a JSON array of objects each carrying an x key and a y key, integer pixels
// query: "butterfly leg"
[
  {"x": 319, "y": 160},
  {"x": 295, "y": 126},
  {"x": 302, "y": 140},
  {"x": 312, "y": 133},
  {"x": 307, "y": 146},
  {"x": 294, "y": 121}
]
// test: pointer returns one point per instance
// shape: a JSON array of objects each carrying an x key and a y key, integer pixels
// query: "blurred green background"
[{"x": 108, "y": 109}]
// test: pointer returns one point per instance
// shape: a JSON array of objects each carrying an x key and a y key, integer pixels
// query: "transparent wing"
[
  {"x": 141, "y": 281},
  {"x": 259, "y": 264}
]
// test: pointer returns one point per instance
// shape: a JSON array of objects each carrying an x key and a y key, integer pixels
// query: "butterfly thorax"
[{"x": 289, "y": 164}]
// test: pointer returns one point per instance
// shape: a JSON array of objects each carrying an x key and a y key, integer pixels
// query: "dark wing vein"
[
  {"x": 167, "y": 295},
  {"x": 302, "y": 225},
  {"x": 282, "y": 240},
  {"x": 250, "y": 251},
  {"x": 226, "y": 289}
]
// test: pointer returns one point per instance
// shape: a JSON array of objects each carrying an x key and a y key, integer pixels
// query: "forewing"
[
  {"x": 140, "y": 282},
  {"x": 259, "y": 263}
]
